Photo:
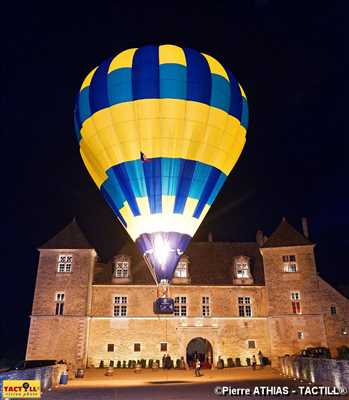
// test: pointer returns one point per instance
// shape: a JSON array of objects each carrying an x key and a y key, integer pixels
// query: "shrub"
[
  {"x": 129, "y": 364},
  {"x": 143, "y": 363},
  {"x": 101, "y": 364},
  {"x": 237, "y": 362},
  {"x": 178, "y": 363},
  {"x": 111, "y": 363},
  {"x": 150, "y": 363},
  {"x": 230, "y": 362},
  {"x": 248, "y": 361},
  {"x": 124, "y": 364},
  {"x": 118, "y": 364}
]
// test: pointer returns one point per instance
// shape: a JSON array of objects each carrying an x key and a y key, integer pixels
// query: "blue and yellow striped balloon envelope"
[{"x": 160, "y": 128}]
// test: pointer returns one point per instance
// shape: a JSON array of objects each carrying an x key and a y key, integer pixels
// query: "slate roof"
[
  {"x": 210, "y": 263},
  {"x": 70, "y": 237},
  {"x": 285, "y": 235}
]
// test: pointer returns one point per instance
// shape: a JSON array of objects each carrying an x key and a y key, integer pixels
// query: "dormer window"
[
  {"x": 182, "y": 269},
  {"x": 242, "y": 269},
  {"x": 289, "y": 263},
  {"x": 181, "y": 274},
  {"x": 121, "y": 269}
]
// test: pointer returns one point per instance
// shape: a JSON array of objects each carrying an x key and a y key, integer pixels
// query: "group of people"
[
  {"x": 260, "y": 358},
  {"x": 167, "y": 362}
]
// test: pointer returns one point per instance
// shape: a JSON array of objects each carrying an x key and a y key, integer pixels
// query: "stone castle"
[{"x": 231, "y": 300}]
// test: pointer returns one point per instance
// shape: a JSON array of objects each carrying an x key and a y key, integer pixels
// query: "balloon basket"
[{"x": 163, "y": 305}]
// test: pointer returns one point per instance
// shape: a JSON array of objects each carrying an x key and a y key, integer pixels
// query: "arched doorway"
[{"x": 200, "y": 348}]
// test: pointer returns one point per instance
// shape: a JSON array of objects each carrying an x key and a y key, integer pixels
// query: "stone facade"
[{"x": 86, "y": 331}]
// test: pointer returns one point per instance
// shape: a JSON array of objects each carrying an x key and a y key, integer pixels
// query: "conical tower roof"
[
  {"x": 286, "y": 235},
  {"x": 70, "y": 237}
]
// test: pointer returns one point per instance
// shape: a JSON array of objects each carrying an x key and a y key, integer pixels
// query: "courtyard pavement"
[{"x": 174, "y": 385}]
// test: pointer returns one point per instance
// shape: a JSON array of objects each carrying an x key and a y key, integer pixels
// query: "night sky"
[{"x": 292, "y": 60}]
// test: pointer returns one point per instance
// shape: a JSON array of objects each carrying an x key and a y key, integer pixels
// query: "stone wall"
[
  {"x": 228, "y": 337},
  {"x": 334, "y": 324},
  {"x": 223, "y": 300},
  {"x": 63, "y": 336},
  {"x": 285, "y": 326},
  {"x": 58, "y": 338},
  {"x": 334, "y": 373}
]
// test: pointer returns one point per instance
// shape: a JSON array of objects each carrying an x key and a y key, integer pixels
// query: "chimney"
[
  {"x": 259, "y": 238},
  {"x": 210, "y": 237},
  {"x": 305, "y": 227}
]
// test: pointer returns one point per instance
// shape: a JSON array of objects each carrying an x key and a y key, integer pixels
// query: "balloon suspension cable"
[{"x": 151, "y": 268}]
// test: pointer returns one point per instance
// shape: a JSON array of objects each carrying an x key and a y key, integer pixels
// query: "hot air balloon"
[{"x": 159, "y": 129}]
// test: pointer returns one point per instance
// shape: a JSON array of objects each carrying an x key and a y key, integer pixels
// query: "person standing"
[
  {"x": 197, "y": 367},
  {"x": 254, "y": 362},
  {"x": 261, "y": 359}
]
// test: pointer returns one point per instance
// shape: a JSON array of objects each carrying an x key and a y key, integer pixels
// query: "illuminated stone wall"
[
  {"x": 228, "y": 337},
  {"x": 284, "y": 325},
  {"x": 61, "y": 337},
  {"x": 337, "y": 325}
]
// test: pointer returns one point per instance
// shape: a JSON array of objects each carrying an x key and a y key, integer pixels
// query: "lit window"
[
  {"x": 120, "y": 306},
  {"x": 344, "y": 330},
  {"x": 245, "y": 309},
  {"x": 163, "y": 346},
  {"x": 205, "y": 306},
  {"x": 110, "y": 347},
  {"x": 59, "y": 310},
  {"x": 290, "y": 264},
  {"x": 251, "y": 344},
  {"x": 137, "y": 347},
  {"x": 242, "y": 269},
  {"x": 180, "y": 306},
  {"x": 121, "y": 269},
  {"x": 65, "y": 263},
  {"x": 181, "y": 270},
  {"x": 300, "y": 335},
  {"x": 295, "y": 302},
  {"x": 333, "y": 310}
]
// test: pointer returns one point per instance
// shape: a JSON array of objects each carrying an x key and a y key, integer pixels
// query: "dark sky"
[{"x": 292, "y": 59}]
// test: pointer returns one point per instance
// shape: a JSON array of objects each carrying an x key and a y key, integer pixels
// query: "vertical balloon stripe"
[
  {"x": 170, "y": 170},
  {"x": 84, "y": 104},
  {"x": 244, "y": 116},
  {"x": 185, "y": 178},
  {"x": 198, "y": 77},
  {"x": 210, "y": 184},
  {"x": 111, "y": 202},
  {"x": 220, "y": 93},
  {"x": 98, "y": 92},
  {"x": 235, "y": 108},
  {"x": 126, "y": 186},
  {"x": 173, "y": 81},
  {"x": 217, "y": 188},
  {"x": 152, "y": 174},
  {"x": 120, "y": 86},
  {"x": 136, "y": 175},
  {"x": 145, "y": 73},
  {"x": 200, "y": 177},
  {"x": 113, "y": 188}
]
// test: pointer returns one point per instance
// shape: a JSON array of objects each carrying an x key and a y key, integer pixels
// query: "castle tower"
[
  {"x": 294, "y": 308},
  {"x": 62, "y": 299}
]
